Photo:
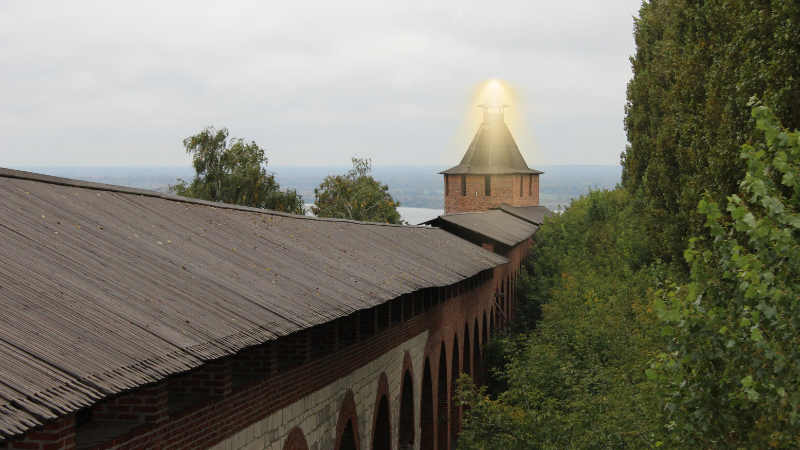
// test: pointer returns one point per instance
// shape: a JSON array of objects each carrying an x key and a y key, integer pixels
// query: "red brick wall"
[
  {"x": 59, "y": 435},
  {"x": 148, "y": 404},
  {"x": 505, "y": 189},
  {"x": 234, "y": 408}
]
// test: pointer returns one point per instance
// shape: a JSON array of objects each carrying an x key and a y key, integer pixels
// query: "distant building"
[{"x": 492, "y": 171}]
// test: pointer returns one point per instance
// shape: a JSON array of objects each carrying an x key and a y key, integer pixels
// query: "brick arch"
[
  {"x": 406, "y": 387},
  {"x": 382, "y": 431},
  {"x": 408, "y": 364},
  {"x": 296, "y": 440},
  {"x": 347, "y": 415}
]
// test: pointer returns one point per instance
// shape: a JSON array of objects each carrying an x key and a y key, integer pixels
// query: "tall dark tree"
[
  {"x": 695, "y": 68},
  {"x": 356, "y": 196},
  {"x": 234, "y": 172}
]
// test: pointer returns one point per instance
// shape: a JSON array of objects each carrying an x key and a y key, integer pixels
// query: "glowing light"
[{"x": 508, "y": 94}]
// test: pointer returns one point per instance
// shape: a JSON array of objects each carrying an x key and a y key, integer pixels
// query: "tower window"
[
  {"x": 488, "y": 185},
  {"x": 520, "y": 185},
  {"x": 530, "y": 185},
  {"x": 446, "y": 186},
  {"x": 463, "y": 185}
]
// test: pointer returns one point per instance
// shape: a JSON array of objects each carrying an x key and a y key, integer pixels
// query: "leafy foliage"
[
  {"x": 233, "y": 173},
  {"x": 695, "y": 67},
  {"x": 731, "y": 372},
  {"x": 578, "y": 379},
  {"x": 356, "y": 196}
]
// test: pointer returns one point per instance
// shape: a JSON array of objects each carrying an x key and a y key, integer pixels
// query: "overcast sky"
[{"x": 109, "y": 84}]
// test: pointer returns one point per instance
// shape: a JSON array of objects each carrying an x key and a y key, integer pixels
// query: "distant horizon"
[{"x": 283, "y": 165}]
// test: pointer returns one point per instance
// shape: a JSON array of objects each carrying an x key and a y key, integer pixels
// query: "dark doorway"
[
  {"x": 426, "y": 413},
  {"x": 476, "y": 354},
  {"x": 348, "y": 438},
  {"x": 442, "y": 413},
  {"x": 455, "y": 411},
  {"x": 382, "y": 438},
  {"x": 407, "y": 430},
  {"x": 467, "y": 367}
]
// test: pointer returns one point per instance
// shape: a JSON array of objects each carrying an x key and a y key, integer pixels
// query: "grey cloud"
[{"x": 314, "y": 82}]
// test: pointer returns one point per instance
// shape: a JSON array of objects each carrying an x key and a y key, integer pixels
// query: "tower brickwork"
[{"x": 492, "y": 171}]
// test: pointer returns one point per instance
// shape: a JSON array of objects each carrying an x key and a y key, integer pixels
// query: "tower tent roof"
[{"x": 492, "y": 151}]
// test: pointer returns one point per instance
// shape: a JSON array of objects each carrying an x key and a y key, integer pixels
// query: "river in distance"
[{"x": 414, "y": 216}]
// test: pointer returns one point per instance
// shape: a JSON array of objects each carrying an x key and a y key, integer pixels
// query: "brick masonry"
[
  {"x": 301, "y": 405},
  {"x": 504, "y": 189}
]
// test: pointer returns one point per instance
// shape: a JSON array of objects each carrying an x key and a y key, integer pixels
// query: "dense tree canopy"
[
  {"x": 730, "y": 376},
  {"x": 713, "y": 359},
  {"x": 577, "y": 381},
  {"x": 356, "y": 196},
  {"x": 695, "y": 68},
  {"x": 234, "y": 172}
]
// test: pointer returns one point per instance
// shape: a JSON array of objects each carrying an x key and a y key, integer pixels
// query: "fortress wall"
[{"x": 306, "y": 402}]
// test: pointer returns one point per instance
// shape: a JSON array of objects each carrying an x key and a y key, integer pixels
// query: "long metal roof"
[
  {"x": 105, "y": 288},
  {"x": 533, "y": 214},
  {"x": 495, "y": 225}
]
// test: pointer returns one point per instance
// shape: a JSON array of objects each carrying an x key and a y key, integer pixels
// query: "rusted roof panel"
[
  {"x": 495, "y": 225},
  {"x": 533, "y": 214},
  {"x": 105, "y": 288}
]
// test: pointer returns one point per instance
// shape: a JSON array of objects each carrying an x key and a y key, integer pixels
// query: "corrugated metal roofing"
[
  {"x": 533, "y": 214},
  {"x": 496, "y": 225},
  {"x": 105, "y": 288}
]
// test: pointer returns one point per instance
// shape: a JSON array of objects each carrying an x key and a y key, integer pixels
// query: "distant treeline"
[{"x": 413, "y": 186}]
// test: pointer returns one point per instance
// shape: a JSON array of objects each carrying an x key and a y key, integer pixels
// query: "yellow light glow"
[{"x": 508, "y": 94}]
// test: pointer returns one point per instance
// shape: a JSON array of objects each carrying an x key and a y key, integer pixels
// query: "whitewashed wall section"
[{"x": 318, "y": 413}]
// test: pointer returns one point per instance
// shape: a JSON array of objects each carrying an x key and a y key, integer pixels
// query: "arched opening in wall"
[
  {"x": 477, "y": 366},
  {"x": 510, "y": 290},
  {"x": 426, "y": 412},
  {"x": 442, "y": 413},
  {"x": 348, "y": 437},
  {"x": 382, "y": 437},
  {"x": 347, "y": 434},
  {"x": 455, "y": 411},
  {"x": 467, "y": 366},
  {"x": 296, "y": 440},
  {"x": 491, "y": 319},
  {"x": 407, "y": 430},
  {"x": 485, "y": 333},
  {"x": 500, "y": 324}
]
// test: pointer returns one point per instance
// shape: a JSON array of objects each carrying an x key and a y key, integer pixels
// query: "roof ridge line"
[{"x": 50, "y": 179}]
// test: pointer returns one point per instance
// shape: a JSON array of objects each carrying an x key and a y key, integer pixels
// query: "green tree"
[
  {"x": 578, "y": 379},
  {"x": 696, "y": 66},
  {"x": 234, "y": 172},
  {"x": 356, "y": 196},
  {"x": 730, "y": 374}
]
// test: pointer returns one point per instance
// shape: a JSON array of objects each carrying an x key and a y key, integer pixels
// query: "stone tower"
[{"x": 492, "y": 171}]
